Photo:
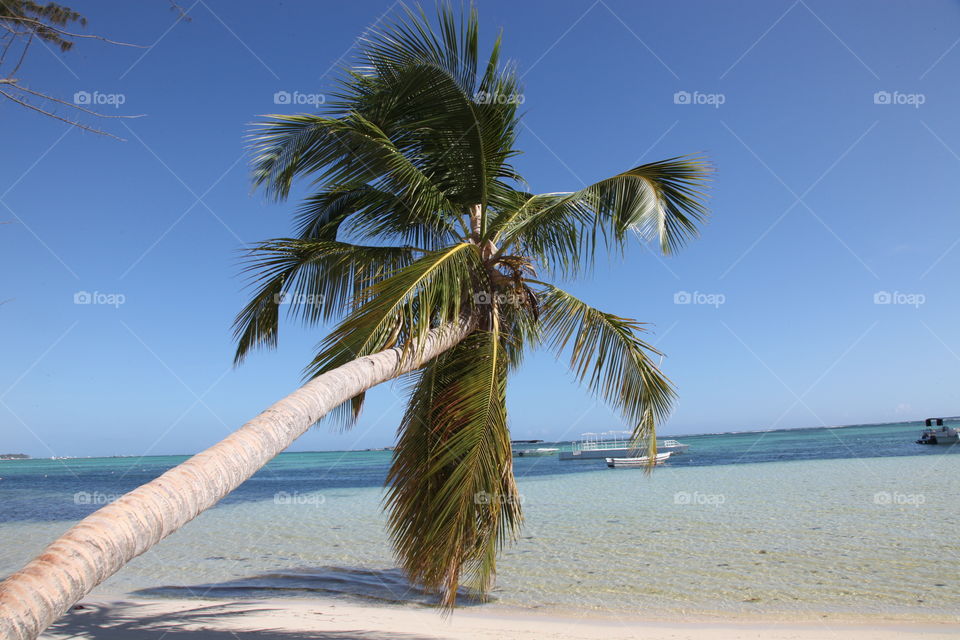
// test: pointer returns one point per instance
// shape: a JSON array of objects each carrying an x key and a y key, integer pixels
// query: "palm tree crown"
[{"x": 416, "y": 219}]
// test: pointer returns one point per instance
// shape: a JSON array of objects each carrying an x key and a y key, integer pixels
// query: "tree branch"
[
  {"x": 76, "y": 106},
  {"x": 69, "y": 34},
  {"x": 62, "y": 119}
]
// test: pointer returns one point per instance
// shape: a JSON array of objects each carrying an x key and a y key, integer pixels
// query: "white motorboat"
[
  {"x": 642, "y": 461},
  {"x": 936, "y": 433},
  {"x": 673, "y": 446},
  {"x": 596, "y": 446}
]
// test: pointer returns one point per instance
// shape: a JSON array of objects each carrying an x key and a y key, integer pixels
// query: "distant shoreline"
[{"x": 389, "y": 447}]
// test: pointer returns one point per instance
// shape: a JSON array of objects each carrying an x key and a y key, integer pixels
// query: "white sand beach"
[{"x": 325, "y": 619}]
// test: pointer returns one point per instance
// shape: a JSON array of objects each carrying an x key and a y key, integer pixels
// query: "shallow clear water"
[{"x": 845, "y": 520}]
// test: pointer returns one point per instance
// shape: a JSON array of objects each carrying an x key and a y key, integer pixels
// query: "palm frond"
[
  {"x": 347, "y": 150},
  {"x": 344, "y": 416},
  {"x": 661, "y": 201},
  {"x": 607, "y": 355},
  {"x": 429, "y": 95},
  {"x": 320, "y": 215},
  {"x": 434, "y": 289},
  {"x": 416, "y": 118},
  {"x": 313, "y": 280},
  {"x": 362, "y": 213},
  {"x": 452, "y": 498}
]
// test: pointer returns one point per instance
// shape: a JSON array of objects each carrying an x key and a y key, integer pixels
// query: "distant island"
[{"x": 13, "y": 456}]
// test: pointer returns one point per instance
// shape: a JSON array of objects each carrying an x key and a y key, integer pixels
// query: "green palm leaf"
[
  {"x": 348, "y": 150},
  {"x": 607, "y": 354},
  {"x": 362, "y": 213},
  {"x": 313, "y": 280},
  {"x": 452, "y": 498},
  {"x": 434, "y": 289},
  {"x": 660, "y": 201}
]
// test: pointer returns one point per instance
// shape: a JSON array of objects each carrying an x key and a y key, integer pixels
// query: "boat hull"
[
  {"x": 941, "y": 435},
  {"x": 642, "y": 461},
  {"x": 940, "y": 440}
]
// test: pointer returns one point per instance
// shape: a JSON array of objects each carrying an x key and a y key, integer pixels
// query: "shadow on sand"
[
  {"x": 129, "y": 621},
  {"x": 378, "y": 585},
  {"x": 245, "y": 598}
]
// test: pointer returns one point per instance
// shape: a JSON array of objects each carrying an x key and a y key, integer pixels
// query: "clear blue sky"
[{"x": 822, "y": 198}]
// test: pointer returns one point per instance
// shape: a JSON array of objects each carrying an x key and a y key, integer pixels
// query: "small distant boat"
[
  {"x": 642, "y": 461},
  {"x": 597, "y": 446},
  {"x": 539, "y": 451},
  {"x": 936, "y": 433},
  {"x": 529, "y": 452},
  {"x": 673, "y": 446}
]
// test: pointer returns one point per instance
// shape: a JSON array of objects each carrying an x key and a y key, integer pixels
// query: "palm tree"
[{"x": 419, "y": 241}]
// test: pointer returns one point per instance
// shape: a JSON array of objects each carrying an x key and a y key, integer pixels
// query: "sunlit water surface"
[{"x": 844, "y": 521}]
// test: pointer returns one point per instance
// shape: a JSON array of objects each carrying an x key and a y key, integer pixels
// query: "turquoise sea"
[{"x": 829, "y": 521}]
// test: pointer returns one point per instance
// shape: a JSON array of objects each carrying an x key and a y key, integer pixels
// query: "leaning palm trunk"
[
  {"x": 417, "y": 216},
  {"x": 104, "y": 541}
]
